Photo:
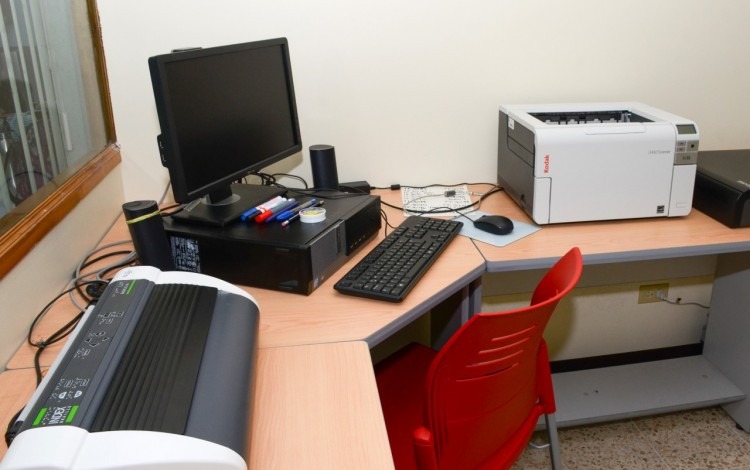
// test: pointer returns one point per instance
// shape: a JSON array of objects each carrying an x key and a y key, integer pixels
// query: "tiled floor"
[{"x": 700, "y": 439}]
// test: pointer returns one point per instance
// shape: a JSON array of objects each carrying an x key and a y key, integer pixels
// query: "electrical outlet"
[{"x": 647, "y": 292}]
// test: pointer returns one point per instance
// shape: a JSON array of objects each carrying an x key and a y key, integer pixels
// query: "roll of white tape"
[{"x": 312, "y": 215}]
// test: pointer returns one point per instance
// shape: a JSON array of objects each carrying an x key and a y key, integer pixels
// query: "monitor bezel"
[{"x": 170, "y": 153}]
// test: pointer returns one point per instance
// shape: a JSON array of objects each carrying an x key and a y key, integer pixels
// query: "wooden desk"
[
  {"x": 720, "y": 376},
  {"x": 317, "y": 407},
  {"x": 612, "y": 241},
  {"x": 325, "y": 316},
  {"x": 63, "y": 310},
  {"x": 316, "y": 402}
]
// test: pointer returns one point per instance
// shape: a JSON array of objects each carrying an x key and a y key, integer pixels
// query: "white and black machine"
[
  {"x": 597, "y": 161},
  {"x": 158, "y": 375}
]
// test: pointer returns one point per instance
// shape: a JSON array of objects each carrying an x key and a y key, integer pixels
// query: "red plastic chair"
[{"x": 476, "y": 403}]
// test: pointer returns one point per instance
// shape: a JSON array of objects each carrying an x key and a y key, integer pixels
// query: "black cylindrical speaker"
[
  {"x": 147, "y": 231},
  {"x": 323, "y": 161}
]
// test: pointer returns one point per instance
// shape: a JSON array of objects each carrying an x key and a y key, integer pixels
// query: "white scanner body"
[{"x": 597, "y": 161}]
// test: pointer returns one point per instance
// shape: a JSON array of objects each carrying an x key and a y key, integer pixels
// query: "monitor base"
[{"x": 244, "y": 197}]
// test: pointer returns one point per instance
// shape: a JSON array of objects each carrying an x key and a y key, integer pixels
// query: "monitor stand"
[{"x": 243, "y": 198}]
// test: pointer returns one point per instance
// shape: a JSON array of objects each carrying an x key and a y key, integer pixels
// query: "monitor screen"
[{"x": 224, "y": 112}]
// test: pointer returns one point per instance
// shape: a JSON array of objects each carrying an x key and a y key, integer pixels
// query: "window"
[{"x": 56, "y": 130}]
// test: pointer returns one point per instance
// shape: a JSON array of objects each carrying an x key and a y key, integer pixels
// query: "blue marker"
[
  {"x": 270, "y": 211},
  {"x": 281, "y": 210},
  {"x": 289, "y": 213},
  {"x": 295, "y": 216},
  {"x": 251, "y": 213}
]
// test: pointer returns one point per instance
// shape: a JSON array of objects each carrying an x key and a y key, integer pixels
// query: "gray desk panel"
[
  {"x": 468, "y": 282},
  {"x": 620, "y": 257},
  {"x": 633, "y": 390}
]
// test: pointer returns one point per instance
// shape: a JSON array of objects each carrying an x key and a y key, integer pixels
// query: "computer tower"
[{"x": 296, "y": 258}]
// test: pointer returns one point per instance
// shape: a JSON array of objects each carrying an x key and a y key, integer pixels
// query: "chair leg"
[{"x": 554, "y": 443}]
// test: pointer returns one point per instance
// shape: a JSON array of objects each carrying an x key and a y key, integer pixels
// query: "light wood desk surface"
[
  {"x": 610, "y": 241},
  {"x": 316, "y": 407},
  {"x": 316, "y": 403},
  {"x": 325, "y": 316},
  {"x": 315, "y": 377}
]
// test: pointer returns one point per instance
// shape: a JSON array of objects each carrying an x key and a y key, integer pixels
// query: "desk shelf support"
[{"x": 727, "y": 343}]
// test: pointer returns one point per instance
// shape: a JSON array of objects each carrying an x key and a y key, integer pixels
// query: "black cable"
[
  {"x": 55, "y": 337},
  {"x": 287, "y": 175},
  {"x": 40, "y": 315},
  {"x": 322, "y": 193},
  {"x": 265, "y": 178},
  {"x": 52, "y": 339},
  {"x": 461, "y": 214},
  {"x": 387, "y": 224},
  {"x": 164, "y": 212},
  {"x": 433, "y": 185},
  {"x": 494, "y": 190},
  {"x": 108, "y": 269},
  {"x": 88, "y": 263},
  {"x": 11, "y": 430}
]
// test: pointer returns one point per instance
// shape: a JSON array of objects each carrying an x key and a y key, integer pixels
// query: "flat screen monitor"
[{"x": 225, "y": 112}]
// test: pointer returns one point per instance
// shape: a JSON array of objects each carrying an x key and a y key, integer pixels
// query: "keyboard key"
[{"x": 395, "y": 265}]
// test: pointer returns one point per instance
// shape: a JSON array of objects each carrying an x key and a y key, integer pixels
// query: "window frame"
[{"x": 32, "y": 220}]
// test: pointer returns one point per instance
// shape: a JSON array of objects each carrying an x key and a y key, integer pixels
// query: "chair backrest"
[{"x": 483, "y": 384}]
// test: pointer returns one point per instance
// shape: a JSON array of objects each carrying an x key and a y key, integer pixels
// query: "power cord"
[
  {"x": 678, "y": 301},
  {"x": 55, "y": 337},
  {"x": 128, "y": 257},
  {"x": 58, "y": 335},
  {"x": 445, "y": 210},
  {"x": 94, "y": 288}
]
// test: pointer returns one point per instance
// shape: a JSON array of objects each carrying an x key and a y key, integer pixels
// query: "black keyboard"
[{"x": 393, "y": 267}]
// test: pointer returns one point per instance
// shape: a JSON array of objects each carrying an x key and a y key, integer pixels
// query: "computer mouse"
[{"x": 495, "y": 224}]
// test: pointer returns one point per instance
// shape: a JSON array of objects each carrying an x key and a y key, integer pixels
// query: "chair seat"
[
  {"x": 401, "y": 385},
  {"x": 475, "y": 403}
]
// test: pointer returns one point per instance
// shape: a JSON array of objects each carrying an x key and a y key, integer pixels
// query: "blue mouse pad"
[{"x": 520, "y": 230}]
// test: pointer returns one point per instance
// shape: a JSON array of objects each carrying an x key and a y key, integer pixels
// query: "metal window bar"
[
  {"x": 34, "y": 127},
  {"x": 20, "y": 118},
  {"x": 45, "y": 83}
]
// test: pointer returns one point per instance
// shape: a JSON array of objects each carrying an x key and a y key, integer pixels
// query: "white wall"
[
  {"x": 407, "y": 91},
  {"x": 602, "y": 315},
  {"x": 48, "y": 268}
]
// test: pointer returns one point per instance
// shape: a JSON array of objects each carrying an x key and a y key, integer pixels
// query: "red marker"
[{"x": 262, "y": 217}]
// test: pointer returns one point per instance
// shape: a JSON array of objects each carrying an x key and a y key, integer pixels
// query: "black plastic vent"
[{"x": 153, "y": 387}]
